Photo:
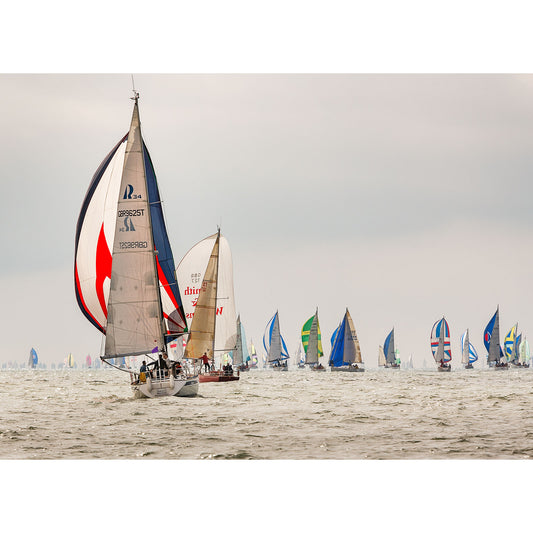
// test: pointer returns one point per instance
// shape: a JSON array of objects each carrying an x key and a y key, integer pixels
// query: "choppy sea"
[
  {"x": 300, "y": 414},
  {"x": 270, "y": 417}
]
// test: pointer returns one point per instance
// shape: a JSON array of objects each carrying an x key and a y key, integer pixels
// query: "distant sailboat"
[
  {"x": 312, "y": 343},
  {"x": 469, "y": 354},
  {"x": 524, "y": 356},
  {"x": 517, "y": 359},
  {"x": 382, "y": 360},
  {"x": 345, "y": 352},
  {"x": 277, "y": 353},
  {"x": 389, "y": 352},
  {"x": 440, "y": 345},
  {"x": 124, "y": 267},
  {"x": 70, "y": 361},
  {"x": 241, "y": 357},
  {"x": 88, "y": 361},
  {"x": 205, "y": 276},
  {"x": 509, "y": 344},
  {"x": 253, "y": 356},
  {"x": 299, "y": 357},
  {"x": 33, "y": 360},
  {"x": 491, "y": 339}
]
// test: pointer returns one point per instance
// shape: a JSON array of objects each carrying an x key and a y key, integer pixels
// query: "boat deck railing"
[{"x": 140, "y": 377}]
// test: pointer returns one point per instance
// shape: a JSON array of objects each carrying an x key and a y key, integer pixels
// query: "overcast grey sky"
[{"x": 402, "y": 197}]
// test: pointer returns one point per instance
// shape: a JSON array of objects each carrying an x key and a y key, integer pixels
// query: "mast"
[
  {"x": 217, "y": 246},
  {"x": 135, "y": 315}
]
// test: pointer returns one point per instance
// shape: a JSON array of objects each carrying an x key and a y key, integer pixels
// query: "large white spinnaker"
[{"x": 193, "y": 279}]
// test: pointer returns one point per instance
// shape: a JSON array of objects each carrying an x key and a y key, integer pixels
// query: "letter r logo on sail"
[{"x": 128, "y": 192}]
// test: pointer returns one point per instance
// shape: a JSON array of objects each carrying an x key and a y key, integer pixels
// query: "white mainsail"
[
  {"x": 274, "y": 350},
  {"x": 382, "y": 361},
  {"x": 312, "y": 347},
  {"x": 240, "y": 354},
  {"x": 465, "y": 348}
]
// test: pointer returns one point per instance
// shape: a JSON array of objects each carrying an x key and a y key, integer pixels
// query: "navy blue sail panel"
[
  {"x": 284, "y": 351},
  {"x": 386, "y": 348},
  {"x": 337, "y": 352},
  {"x": 173, "y": 307},
  {"x": 488, "y": 331}
]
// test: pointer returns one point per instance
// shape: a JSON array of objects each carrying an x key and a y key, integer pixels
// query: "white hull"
[
  {"x": 444, "y": 368},
  {"x": 157, "y": 388},
  {"x": 346, "y": 369},
  {"x": 500, "y": 367}
]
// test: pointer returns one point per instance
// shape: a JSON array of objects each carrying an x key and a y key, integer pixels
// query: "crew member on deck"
[{"x": 205, "y": 361}]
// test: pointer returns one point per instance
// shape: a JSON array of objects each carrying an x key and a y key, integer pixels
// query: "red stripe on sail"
[{"x": 104, "y": 261}]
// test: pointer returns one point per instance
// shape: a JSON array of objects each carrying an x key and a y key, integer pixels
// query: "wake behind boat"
[{"x": 128, "y": 290}]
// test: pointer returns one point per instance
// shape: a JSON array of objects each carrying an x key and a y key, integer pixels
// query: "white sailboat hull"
[
  {"x": 444, "y": 368},
  {"x": 346, "y": 369},
  {"x": 157, "y": 388}
]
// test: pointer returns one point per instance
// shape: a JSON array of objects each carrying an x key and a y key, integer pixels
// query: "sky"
[{"x": 402, "y": 197}]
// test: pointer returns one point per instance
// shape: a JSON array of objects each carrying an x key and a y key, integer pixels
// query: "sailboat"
[
  {"x": 469, "y": 352},
  {"x": 299, "y": 357},
  {"x": 240, "y": 356},
  {"x": 88, "y": 361},
  {"x": 124, "y": 267},
  {"x": 514, "y": 357},
  {"x": 312, "y": 343},
  {"x": 33, "y": 360},
  {"x": 491, "y": 339},
  {"x": 524, "y": 354},
  {"x": 440, "y": 345},
  {"x": 389, "y": 353},
  {"x": 509, "y": 344},
  {"x": 345, "y": 351},
  {"x": 69, "y": 361},
  {"x": 277, "y": 353},
  {"x": 253, "y": 356},
  {"x": 382, "y": 360},
  {"x": 205, "y": 276}
]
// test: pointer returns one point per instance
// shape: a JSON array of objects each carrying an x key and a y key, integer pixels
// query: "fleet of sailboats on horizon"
[{"x": 127, "y": 286}]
